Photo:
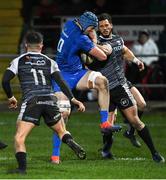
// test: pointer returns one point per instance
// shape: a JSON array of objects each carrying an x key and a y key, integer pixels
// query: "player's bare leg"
[
  {"x": 95, "y": 80},
  {"x": 22, "y": 130},
  {"x": 108, "y": 138},
  {"x": 141, "y": 104},
  {"x": 65, "y": 109},
  {"x": 132, "y": 116},
  {"x": 66, "y": 138}
]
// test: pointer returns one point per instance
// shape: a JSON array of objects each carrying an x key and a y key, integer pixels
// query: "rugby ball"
[{"x": 87, "y": 59}]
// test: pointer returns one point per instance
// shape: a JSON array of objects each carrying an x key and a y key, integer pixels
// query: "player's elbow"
[
  {"x": 4, "y": 81},
  {"x": 5, "y": 84}
]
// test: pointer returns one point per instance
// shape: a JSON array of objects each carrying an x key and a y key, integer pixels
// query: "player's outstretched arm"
[{"x": 129, "y": 56}]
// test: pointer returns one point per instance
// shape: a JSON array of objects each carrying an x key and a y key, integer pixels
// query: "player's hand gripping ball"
[{"x": 87, "y": 59}]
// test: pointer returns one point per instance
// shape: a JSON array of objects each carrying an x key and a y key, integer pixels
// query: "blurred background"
[{"x": 131, "y": 20}]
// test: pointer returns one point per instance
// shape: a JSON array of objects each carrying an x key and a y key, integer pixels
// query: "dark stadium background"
[{"x": 48, "y": 17}]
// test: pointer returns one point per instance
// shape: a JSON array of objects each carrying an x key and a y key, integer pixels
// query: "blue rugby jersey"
[{"x": 72, "y": 41}]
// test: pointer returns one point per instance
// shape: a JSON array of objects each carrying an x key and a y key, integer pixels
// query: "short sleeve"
[
  {"x": 54, "y": 66},
  {"x": 14, "y": 66}
]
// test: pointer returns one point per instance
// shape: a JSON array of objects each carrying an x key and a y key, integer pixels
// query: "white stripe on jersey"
[
  {"x": 14, "y": 63},
  {"x": 127, "y": 90}
]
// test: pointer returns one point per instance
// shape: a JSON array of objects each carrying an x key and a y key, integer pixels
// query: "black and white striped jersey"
[
  {"x": 113, "y": 67},
  {"x": 34, "y": 72}
]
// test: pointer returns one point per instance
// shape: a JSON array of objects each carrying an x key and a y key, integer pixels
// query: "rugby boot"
[
  {"x": 107, "y": 155},
  {"x": 132, "y": 139},
  {"x": 107, "y": 127},
  {"x": 158, "y": 158},
  {"x": 2, "y": 145},
  {"x": 79, "y": 151},
  {"x": 55, "y": 160}
]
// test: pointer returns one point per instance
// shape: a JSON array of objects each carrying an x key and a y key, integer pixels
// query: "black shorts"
[
  {"x": 40, "y": 106},
  {"x": 121, "y": 97}
]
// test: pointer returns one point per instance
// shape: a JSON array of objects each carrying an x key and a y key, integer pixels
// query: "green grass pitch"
[{"x": 130, "y": 162}]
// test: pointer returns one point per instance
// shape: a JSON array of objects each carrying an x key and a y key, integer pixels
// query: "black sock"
[
  {"x": 107, "y": 142},
  {"x": 66, "y": 138},
  {"x": 21, "y": 159},
  {"x": 145, "y": 135}
]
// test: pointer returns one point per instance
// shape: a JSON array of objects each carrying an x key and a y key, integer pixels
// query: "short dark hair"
[
  {"x": 33, "y": 37},
  {"x": 105, "y": 16}
]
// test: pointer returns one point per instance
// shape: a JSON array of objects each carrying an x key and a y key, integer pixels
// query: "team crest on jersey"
[
  {"x": 118, "y": 42},
  {"x": 124, "y": 102}
]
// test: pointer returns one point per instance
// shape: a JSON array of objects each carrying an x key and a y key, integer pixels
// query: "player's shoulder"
[
  {"x": 84, "y": 37},
  {"x": 47, "y": 58},
  {"x": 16, "y": 59},
  {"x": 83, "y": 40},
  {"x": 116, "y": 37},
  {"x": 68, "y": 23},
  {"x": 70, "y": 27}
]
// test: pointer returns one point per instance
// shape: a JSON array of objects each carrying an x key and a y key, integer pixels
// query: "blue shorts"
[{"x": 71, "y": 79}]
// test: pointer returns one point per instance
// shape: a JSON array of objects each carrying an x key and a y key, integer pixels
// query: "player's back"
[
  {"x": 34, "y": 73},
  {"x": 68, "y": 47}
]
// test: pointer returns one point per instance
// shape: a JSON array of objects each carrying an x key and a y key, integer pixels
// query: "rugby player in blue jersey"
[{"x": 73, "y": 40}]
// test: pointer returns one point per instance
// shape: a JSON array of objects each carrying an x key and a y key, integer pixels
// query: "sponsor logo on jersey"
[
  {"x": 118, "y": 42},
  {"x": 51, "y": 103},
  {"x": 118, "y": 48},
  {"x": 37, "y": 63}
]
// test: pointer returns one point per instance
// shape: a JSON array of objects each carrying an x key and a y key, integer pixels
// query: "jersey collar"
[{"x": 106, "y": 39}]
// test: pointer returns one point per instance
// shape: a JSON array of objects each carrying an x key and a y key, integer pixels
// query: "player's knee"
[
  {"x": 101, "y": 83},
  {"x": 65, "y": 115},
  {"x": 19, "y": 139},
  {"x": 64, "y": 108},
  {"x": 96, "y": 80},
  {"x": 137, "y": 124},
  {"x": 142, "y": 105}
]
